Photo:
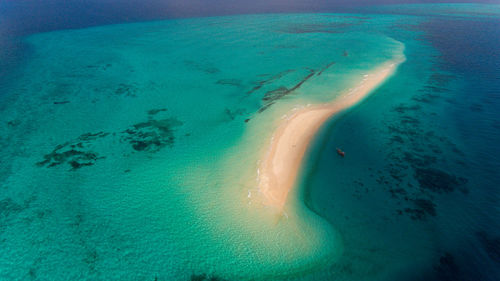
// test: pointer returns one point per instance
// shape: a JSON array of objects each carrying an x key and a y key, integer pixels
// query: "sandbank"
[{"x": 281, "y": 163}]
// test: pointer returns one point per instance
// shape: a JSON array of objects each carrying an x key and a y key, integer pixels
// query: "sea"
[{"x": 130, "y": 151}]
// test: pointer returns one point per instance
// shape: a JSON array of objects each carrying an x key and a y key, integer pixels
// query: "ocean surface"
[{"x": 130, "y": 151}]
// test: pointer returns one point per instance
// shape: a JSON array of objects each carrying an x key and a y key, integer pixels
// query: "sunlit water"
[{"x": 131, "y": 151}]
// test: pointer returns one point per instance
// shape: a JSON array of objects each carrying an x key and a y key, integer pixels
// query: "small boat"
[{"x": 340, "y": 152}]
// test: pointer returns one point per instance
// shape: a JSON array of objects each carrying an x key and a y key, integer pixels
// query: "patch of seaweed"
[
  {"x": 325, "y": 68},
  {"x": 422, "y": 208},
  {"x": 128, "y": 90},
  {"x": 75, "y": 153},
  {"x": 232, "y": 114},
  {"x": 229, "y": 82},
  {"x": 415, "y": 152},
  {"x": 152, "y": 135},
  {"x": 490, "y": 244},
  {"x": 286, "y": 46},
  {"x": 438, "y": 181},
  {"x": 272, "y": 96},
  {"x": 75, "y": 158},
  {"x": 9, "y": 207},
  {"x": 156, "y": 111},
  {"x": 403, "y": 108},
  {"x": 447, "y": 269},
  {"x": 207, "y": 68},
  {"x": 14, "y": 123},
  {"x": 262, "y": 83},
  {"x": 61, "y": 102}
]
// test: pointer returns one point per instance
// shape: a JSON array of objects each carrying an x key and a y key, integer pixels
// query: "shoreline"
[{"x": 280, "y": 166}]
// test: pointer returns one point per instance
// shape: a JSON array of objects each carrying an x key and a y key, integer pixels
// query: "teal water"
[{"x": 130, "y": 152}]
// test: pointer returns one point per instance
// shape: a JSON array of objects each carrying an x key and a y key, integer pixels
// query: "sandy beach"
[{"x": 280, "y": 165}]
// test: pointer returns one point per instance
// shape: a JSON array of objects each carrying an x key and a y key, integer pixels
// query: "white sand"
[{"x": 280, "y": 165}]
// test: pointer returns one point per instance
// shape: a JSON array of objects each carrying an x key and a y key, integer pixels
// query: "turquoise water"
[{"x": 130, "y": 152}]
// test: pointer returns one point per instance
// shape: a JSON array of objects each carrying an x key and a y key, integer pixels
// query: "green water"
[{"x": 131, "y": 151}]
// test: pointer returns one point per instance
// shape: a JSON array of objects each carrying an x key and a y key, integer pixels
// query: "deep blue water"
[
  {"x": 424, "y": 158},
  {"x": 469, "y": 48}
]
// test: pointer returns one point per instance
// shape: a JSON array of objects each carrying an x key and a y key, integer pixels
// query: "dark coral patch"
[
  {"x": 75, "y": 158},
  {"x": 438, "y": 181},
  {"x": 75, "y": 153},
  {"x": 152, "y": 135}
]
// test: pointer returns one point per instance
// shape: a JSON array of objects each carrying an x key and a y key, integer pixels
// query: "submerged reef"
[
  {"x": 325, "y": 68},
  {"x": 262, "y": 83},
  {"x": 156, "y": 111},
  {"x": 270, "y": 97},
  {"x": 490, "y": 244},
  {"x": 422, "y": 208},
  {"x": 438, "y": 181},
  {"x": 332, "y": 27},
  {"x": 76, "y": 153},
  {"x": 151, "y": 135},
  {"x": 207, "y": 68},
  {"x": 229, "y": 82},
  {"x": 416, "y": 150},
  {"x": 447, "y": 268}
]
